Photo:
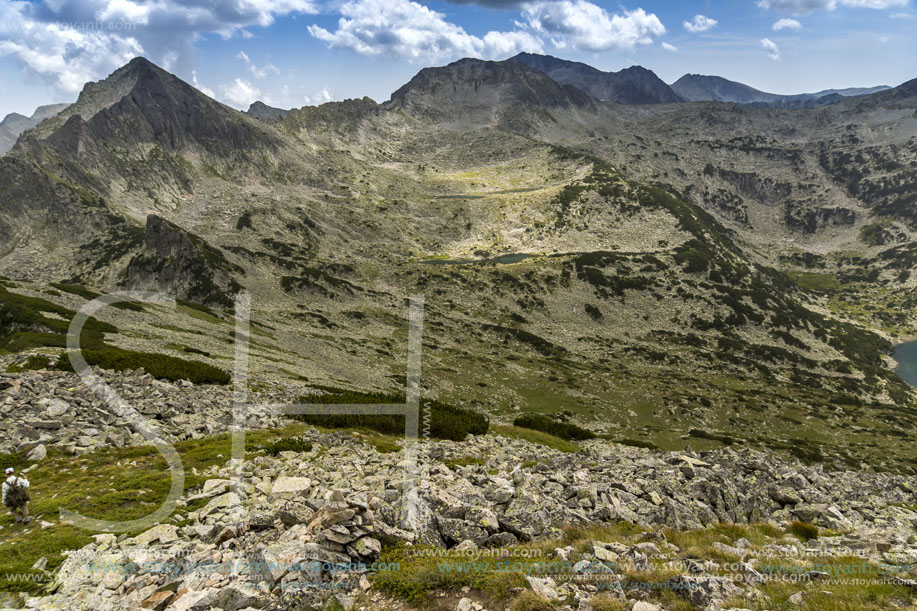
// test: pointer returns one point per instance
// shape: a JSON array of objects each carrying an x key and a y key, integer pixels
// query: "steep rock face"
[
  {"x": 478, "y": 84},
  {"x": 47, "y": 111},
  {"x": 634, "y": 85},
  {"x": 135, "y": 137},
  {"x": 133, "y": 144},
  {"x": 177, "y": 262},
  {"x": 142, "y": 104},
  {"x": 10, "y": 128}
]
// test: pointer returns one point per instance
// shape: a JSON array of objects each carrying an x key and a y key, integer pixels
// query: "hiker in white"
[{"x": 16, "y": 495}]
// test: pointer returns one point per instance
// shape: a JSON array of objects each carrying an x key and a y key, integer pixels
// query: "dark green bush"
[
  {"x": 244, "y": 221},
  {"x": 437, "y": 420},
  {"x": 594, "y": 312},
  {"x": 159, "y": 366},
  {"x": 33, "y": 362},
  {"x": 696, "y": 254},
  {"x": 288, "y": 444},
  {"x": 564, "y": 430},
  {"x": 85, "y": 293},
  {"x": 702, "y": 434},
  {"x": 637, "y": 443},
  {"x": 23, "y": 325},
  {"x": 803, "y": 530}
]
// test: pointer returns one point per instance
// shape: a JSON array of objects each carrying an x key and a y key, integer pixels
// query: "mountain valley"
[
  {"x": 682, "y": 268},
  {"x": 653, "y": 305}
]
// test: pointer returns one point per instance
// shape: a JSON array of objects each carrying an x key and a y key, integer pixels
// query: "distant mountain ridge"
[
  {"x": 262, "y": 111},
  {"x": 634, "y": 85},
  {"x": 14, "y": 123},
  {"x": 703, "y": 88},
  {"x": 475, "y": 83}
]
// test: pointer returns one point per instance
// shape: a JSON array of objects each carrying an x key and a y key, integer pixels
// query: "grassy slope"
[{"x": 112, "y": 483}]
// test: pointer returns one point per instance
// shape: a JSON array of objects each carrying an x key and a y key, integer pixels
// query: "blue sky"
[{"x": 295, "y": 52}]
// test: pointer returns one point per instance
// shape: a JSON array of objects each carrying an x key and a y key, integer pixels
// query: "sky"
[{"x": 291, "y": 53}]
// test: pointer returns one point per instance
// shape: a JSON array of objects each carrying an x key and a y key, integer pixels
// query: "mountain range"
[
  {"x": 14, "y": 124},
  {"x": 634, "y": 85},
  {"x": 700, "y": 88},
  {"x": 664, "y": 272}
]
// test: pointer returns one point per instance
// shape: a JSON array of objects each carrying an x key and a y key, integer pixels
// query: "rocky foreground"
[{"x": 304, "y": 528}]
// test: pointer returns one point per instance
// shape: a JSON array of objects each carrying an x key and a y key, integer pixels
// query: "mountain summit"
[
  {"x": 142, "y": 103},
  {"x": 634, "y": 85},
  {"x": 474, "y": 83}
]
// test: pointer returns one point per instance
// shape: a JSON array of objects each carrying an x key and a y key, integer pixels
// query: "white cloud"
[
  {"x": 902, "y": 16},
  {"x": 69, "y": 42},
  {"x": 806, "y": 7},
  {"x": 773, "y": 51},
  {"x": 588, "y": 27},
  {"x": 319, "y": 97},
  {"x": 506, "y": 44},
  {"x": 700, "y": 23},
  {"x": 407, "y": 30},
  {"x": 240, "y": 93},
  {"x": 124, "y": 10},
  {"x": 63, "y": 56},
  {"x": 669, "y": 47},
  {"x": 255, "y": 70},
  {"x": 787, "y": 24}
]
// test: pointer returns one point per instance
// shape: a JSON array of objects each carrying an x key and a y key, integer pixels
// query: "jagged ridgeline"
[{"x": 658, "y": 272}]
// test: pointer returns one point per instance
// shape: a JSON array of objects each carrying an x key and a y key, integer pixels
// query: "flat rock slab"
[{"x": 290, "y": 487}]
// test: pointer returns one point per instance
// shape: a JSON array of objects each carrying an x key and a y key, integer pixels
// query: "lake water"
[{"x": 906, "y": 355}]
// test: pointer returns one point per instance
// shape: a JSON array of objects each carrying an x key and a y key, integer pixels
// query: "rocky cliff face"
[
  {"x": 141, "y": 103},
  {"x": 180, "y": 263}
]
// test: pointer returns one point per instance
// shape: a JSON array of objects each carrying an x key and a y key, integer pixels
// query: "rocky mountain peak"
[
  {"x": 262, "y": 111},
  {"x": 634, "y": 85},
  {"x": 701, "y": 87},
  {"x": 478, "y": 83},
  {"x": 142, "y": 103}
]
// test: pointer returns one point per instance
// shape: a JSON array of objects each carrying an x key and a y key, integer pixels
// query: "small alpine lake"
[{"x": 906, "y": 355}]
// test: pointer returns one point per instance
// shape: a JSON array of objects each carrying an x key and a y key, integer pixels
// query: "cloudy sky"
[{"x": 294, "y": 52}]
